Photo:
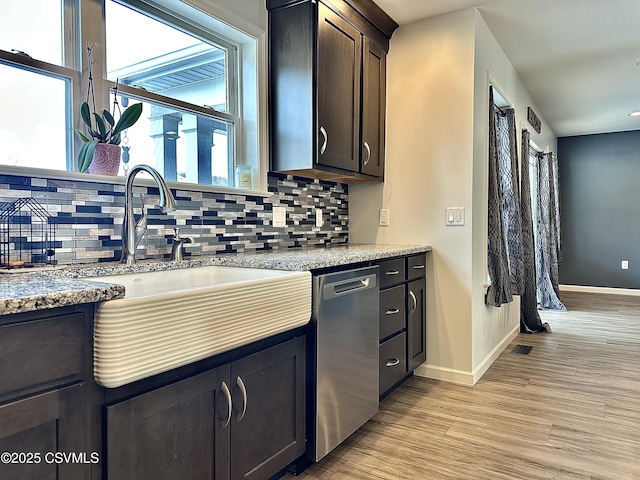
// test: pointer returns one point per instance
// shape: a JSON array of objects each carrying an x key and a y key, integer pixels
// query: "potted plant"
[{"x": 100, "y": 152}]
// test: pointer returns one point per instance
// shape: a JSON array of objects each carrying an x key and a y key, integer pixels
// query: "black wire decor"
[{"x": 27, "y": 234}]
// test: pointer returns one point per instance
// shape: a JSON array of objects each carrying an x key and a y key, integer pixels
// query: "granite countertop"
[
  {"x": 26, "y": 292},
  {"x": 64, "y": 286}
]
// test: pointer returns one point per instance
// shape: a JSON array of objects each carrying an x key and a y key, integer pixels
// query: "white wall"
[
  {"x": 492, "y": 327},
  {"x": 437, "y": 134},
  {"x": 429, "y": 167}
]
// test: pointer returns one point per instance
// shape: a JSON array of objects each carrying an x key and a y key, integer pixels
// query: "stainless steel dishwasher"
[{"x": 345, "y": 317}]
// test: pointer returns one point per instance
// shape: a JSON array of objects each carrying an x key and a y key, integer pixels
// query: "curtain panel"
[
  {"x": 504, "y": 261},
  {"x": 530, "y": 321},
  {"x": 546, "y": 213}
]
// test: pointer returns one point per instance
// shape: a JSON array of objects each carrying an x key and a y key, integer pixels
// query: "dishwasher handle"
[{"x": 350, "y": 286}]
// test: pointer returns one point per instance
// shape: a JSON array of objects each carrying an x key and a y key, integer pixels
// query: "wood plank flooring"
[{"x": 568, "y": 410}]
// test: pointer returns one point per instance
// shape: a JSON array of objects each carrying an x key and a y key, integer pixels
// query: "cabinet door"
[
  {"x": 268, "y": 429},
  {"x": 36, "y": 429},
  {"x": 374, "y": 68},
  {"x": 171, "y": 432},
  {"x": 416, "y": 324},
  {"x": 339, "y": 69}
]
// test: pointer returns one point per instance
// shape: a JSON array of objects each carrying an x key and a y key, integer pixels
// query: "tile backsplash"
[{"x": 88, "y": 217}]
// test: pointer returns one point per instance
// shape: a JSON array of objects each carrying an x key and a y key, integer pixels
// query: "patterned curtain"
[
  {"x": 504, "y": 232},
  {"x": 530, "y": 321},
  {"x": 546, "y": 217}
]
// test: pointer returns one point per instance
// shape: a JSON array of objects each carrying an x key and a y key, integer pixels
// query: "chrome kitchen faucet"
[{"x": 132, "y": 231}]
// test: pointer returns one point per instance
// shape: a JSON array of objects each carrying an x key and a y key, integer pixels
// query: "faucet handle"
[{"x": 177, "y": 245}]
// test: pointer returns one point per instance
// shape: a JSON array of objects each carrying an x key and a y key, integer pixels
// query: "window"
[
  {"x": 45, "y": 22},
  {"x": 39, "y": 111},
  {"x": 196, "y": 77},
  {"x": 35, "y": 86}
]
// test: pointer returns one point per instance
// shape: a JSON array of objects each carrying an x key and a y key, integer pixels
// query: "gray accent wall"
[{"x": 600, "y": 209}]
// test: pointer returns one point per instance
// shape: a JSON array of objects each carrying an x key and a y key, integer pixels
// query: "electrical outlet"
[
  {"x": 624, "y": 265},
  {"x": 319, "y": 221},
  {"x": 384, "y": 217},
  {"x": 279, "y": 217}
]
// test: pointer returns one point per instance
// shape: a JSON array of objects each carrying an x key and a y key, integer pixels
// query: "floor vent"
[{"x": 522, "y": 350}]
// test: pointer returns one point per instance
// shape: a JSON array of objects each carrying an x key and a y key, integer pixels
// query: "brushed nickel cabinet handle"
[
  {"x": 243, "y": 389},
  {"x": 392, "y": 272},
  {"x": 227, "y": 394},
  {"x": 418, "y": 267},
  {"x": 392, "y": 362},
  {"x": 368, "y": 149},
  {"x": 415, "y": 301},
  {"x": 392, "y": 311},
  {"x": 325, "y": 139}
]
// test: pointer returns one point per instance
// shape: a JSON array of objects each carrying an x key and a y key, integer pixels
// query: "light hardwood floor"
[{"x": 568, "y": 410}]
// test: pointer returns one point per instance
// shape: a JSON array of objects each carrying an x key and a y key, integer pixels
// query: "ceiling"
[{"x": 577, "y": 58}]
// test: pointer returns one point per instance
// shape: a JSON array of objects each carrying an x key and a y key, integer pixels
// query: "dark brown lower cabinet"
[
  {"x": 45, "y": 437},
  {"x": 240, "y": 420},
  {"x": 45, "y": 360},
  {"x": 169, "y": 432},
  {"x": 403, "y": 289},
  {"x": 416, "y": 324}
]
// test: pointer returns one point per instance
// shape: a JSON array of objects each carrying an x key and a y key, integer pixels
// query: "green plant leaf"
[
  {"x": 102, "y": 127},
  {"x": 85, "y": 156},
  {"x": 82, "y": 136},
  {"x": 128, "y": 118},
  {"x": 115, "y": 140},
  {"x": 94, "y": 134},
  {"x": 108, "y": 117},
  {"x": 85, "y": 114}
]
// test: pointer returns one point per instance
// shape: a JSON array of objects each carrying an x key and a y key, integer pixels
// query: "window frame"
[{"x": 83, "y": 23}]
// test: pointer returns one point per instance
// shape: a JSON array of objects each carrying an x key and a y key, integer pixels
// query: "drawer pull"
[
  {"x": 392, "y": 362},
  {"x": 325, "y": 138},
  {"x": 392, "y": 272},
  {"x": 227, "y": 394},
  {"x": 418, "y": 267},
  {"x": 392, "y": 311},
  {"x": 414, "y": 300},
  {"x": 243, "y": 389},
  {"x": 368, "y": 149}
]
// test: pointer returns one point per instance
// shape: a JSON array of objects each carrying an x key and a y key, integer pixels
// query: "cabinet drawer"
[
  {"x": 392, "y": 272},
  {"x": 393, "y": 364},
  {"x": 392, "y": 310},
  {"x": 416, "y": 266},
  {"x": 43, "y": 353}
]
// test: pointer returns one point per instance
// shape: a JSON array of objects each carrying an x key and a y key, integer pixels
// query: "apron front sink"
[{"x": 171, "y": 318}]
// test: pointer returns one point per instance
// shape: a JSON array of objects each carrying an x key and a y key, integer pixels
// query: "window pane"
[
  {"x": 40, "y": 35},
  {"x": 184, "y": 147},
  {"x": 34, "y": 125},
  {"x": 170, "y": 62}
]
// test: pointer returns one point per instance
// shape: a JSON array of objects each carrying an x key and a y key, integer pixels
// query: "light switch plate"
[
  {"x": 279, "y": 217},
  {"x": 454, "y": 216},
  {"x": 383, "y": 221},
  {"x": 319, "y": 220}
]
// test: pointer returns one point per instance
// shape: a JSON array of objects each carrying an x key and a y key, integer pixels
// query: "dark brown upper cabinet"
[{"x": 327, "y": 75}]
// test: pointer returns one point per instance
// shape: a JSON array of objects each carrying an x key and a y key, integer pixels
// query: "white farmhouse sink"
[{"x": 175, "y": 317}]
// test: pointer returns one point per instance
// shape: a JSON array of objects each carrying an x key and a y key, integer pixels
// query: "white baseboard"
[
  {"x": 464, "y": 377},
  {"x": 609, "y": 290},
  {"x": 461, "y": 377}
]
